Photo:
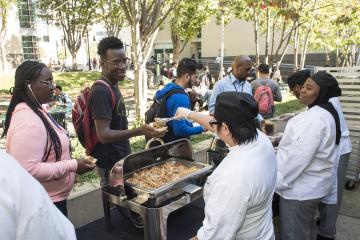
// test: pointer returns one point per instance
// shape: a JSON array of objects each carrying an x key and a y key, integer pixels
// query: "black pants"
[{"x": 62, "y": 206}]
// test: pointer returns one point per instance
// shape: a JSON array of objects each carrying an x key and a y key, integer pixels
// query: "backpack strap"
[
  {"x": 102, "y": 82},
  {"x": 173, "y": 91},
  {"x": 167, "y": 95}
]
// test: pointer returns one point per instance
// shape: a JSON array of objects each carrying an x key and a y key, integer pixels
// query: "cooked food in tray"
[{"x": 160, "y": 175}]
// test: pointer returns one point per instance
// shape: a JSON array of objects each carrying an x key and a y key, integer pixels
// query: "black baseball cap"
[{"x": 235, "y": 108}]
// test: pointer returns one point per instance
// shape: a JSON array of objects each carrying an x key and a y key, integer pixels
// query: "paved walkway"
[{"x": 348, "y": 224}]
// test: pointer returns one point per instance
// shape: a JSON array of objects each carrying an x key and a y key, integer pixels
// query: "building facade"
[
  {"x": 28, "y": 37},
  {"x": 239, "y": 40}
]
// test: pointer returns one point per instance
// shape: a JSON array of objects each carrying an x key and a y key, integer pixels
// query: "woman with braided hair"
[{"x": 35, "y": 139}]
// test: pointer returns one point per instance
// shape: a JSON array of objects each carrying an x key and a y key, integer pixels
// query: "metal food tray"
[
  {"x": 179, "y": 183},
  {"x": 179, "y": 151}
]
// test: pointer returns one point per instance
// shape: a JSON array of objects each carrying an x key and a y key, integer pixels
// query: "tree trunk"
[
  {"x": 307, "y": 37},
  {"x": 267, "y": 35},
  {"x": 353, "y": 55},
  {"x": 285, "y": 38},
  {"x": 2, "y": 38},
  {"x": 140, "y": 82},
  {"x": 73, "y": 58},
  {"x": 305, "y": 46},
  {"x": 144, "y": 19},
  {"x": 271, "y": 59},
  {"x": 337, "y": 57},
  {"x": 140, "y": 89},
  {"x": 176, "y": 53},
  {"x": 278, "y": 63},
  {"x": 282, "y": 56},
  {"x": 2, "y": 58},
  {"x": 256, "y": 32},
  {"x": 327, "y": 57},
  {"x": 176, "y": 44},
  {"x": 296, "y": 48}
]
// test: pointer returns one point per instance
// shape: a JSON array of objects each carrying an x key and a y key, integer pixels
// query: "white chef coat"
[
  {"x": 238, "y": 194},
  {"x": 344, "y": 148},
  {"x": 307, "y": 155},
  {"x": 345, "y": 141},
  {"x": 26, "y": 211}
]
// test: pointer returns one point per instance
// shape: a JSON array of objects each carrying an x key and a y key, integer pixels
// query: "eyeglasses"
[
  {"x": 124, "y": 61},
  {"x": 214, "y": 122},
  {"x": 49, "y": 84}
]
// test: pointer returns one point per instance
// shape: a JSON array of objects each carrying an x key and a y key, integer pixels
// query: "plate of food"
[{"x": 159, "y": 125}]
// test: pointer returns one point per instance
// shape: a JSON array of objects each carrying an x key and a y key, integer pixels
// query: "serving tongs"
[{"x": 164, "y": 120}]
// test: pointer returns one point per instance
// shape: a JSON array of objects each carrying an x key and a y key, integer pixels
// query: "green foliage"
[
  {"x": 337, "y": 27},
  {"x": 4, "y": 11},
  {"x": 186, "y": 22},
  {"x": 112, "y": 16},
  {"x": 77, "y": 151},
  {"x": 74, "y": 82},
  {"x": 137, "y": 144},
  {"x": 321, "y": 24},
  {"x": 195, "y": 139},
  {"x": 73, "y": 16},
  {"x": 288, "y": 107},
  {"x": 87, "y": 177},
  {"x": 274, "y": 20},
  {"x": 188, "y": 18}
]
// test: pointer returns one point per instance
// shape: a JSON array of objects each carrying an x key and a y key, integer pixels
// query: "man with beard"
[
  {"x": 109, "y": 118},
  {"x": 176, "y": 97}
]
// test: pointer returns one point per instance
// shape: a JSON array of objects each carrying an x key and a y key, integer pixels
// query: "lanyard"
[{"x": 242, "y": 85}]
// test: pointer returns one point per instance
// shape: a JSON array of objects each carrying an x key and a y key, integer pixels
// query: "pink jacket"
[{"x": 26, "y": 140}]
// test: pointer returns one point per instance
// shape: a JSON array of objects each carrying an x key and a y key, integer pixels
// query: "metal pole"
[
  {"x": 222, "y": 44},
  {"x": 88, "y": 48}
]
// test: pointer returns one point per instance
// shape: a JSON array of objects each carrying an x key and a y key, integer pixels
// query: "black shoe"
[{"x": 319, "y": 237}]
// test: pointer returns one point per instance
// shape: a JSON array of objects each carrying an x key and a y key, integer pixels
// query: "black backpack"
[{"x": 158, "y": 108}]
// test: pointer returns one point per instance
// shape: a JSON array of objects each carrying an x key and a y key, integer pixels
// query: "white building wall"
[
  {"x": 53, "y": 50},
  {"x": 11, "y": 44}
]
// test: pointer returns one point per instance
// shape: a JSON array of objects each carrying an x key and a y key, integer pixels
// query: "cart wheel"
[
  {"x": 134, "y": 217},
  {"x": 350, "y": 185}
]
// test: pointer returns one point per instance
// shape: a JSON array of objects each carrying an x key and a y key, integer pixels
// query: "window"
[
  {"x": 26, "y": 13},
  {"x": 30, "y": 49},
  {"x": 46, "y": 39}
]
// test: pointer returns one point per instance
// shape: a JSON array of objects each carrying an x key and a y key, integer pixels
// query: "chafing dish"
[{"x": 153, "y": 206}]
